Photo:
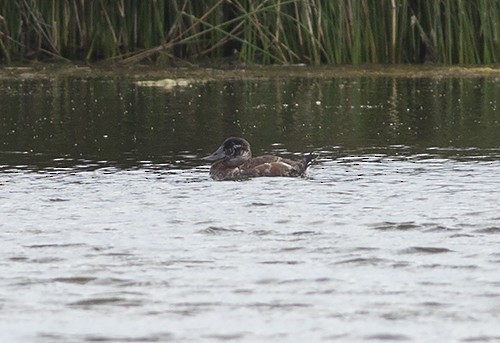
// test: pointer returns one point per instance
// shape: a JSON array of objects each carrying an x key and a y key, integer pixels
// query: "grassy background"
[{"x": 266, "y": 31}]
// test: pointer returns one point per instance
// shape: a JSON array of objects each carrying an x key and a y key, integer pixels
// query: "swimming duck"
[{"x": 233, "y": 161}]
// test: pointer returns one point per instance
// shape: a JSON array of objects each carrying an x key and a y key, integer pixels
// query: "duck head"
[{"x": 234, "y": 151}]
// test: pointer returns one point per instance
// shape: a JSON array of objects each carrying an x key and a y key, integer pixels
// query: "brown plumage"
[{"x": 233, "y": 161}]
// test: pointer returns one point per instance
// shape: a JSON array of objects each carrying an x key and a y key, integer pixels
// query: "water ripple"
[
  {"x": 115, "y": 301},
  {"x": 366, "y": 241},
  {"x": 425, "y": 250},
  {"x": 214, "y": 230}
]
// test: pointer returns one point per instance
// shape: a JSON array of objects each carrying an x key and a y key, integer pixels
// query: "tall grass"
[{"x": 266, "y": 31}]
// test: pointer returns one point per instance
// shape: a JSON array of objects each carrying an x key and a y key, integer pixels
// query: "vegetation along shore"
[{"x": 185, "y": 32}]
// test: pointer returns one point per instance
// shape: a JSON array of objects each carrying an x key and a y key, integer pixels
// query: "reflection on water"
[
  {"x": 117, "y": 120},
  {"x": 112, "y": 231}
]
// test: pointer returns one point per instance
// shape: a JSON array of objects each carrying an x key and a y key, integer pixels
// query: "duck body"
[{"x": 233, "y": 161}]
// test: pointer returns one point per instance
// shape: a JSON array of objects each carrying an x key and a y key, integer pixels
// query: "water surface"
[{"x": 112, "y": 231}]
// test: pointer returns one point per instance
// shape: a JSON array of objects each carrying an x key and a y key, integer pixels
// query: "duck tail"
[
  {"x": 305, "y": 163},
  {"x": 308, "y": 160}
]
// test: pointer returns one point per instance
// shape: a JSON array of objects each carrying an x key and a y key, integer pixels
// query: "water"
[{"x": 112, "y": 231}]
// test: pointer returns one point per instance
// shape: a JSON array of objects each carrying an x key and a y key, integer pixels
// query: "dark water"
[
  {"x": 112, "y": 231},
  {"x": 72, "y": 122}
]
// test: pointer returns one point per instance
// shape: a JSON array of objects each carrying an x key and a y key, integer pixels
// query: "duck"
[{"x": 233, "y": 161}]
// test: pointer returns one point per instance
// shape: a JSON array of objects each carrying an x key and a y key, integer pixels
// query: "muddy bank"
[{"x": 245, "y": 72}]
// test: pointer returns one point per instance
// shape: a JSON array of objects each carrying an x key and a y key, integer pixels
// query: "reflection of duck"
[{"x": 233, "y": 160}]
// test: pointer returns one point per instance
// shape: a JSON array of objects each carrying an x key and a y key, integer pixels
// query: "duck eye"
[{"x": 233, "y": 150}]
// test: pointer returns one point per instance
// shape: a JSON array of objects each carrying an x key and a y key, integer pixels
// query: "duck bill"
[{"x": 219, "y": 154}]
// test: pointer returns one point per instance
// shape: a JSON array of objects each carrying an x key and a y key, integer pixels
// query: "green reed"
[{"x": 266, "y": 31}]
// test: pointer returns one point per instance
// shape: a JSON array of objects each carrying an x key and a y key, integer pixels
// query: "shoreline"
[{"x": 244, "y": 72}]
